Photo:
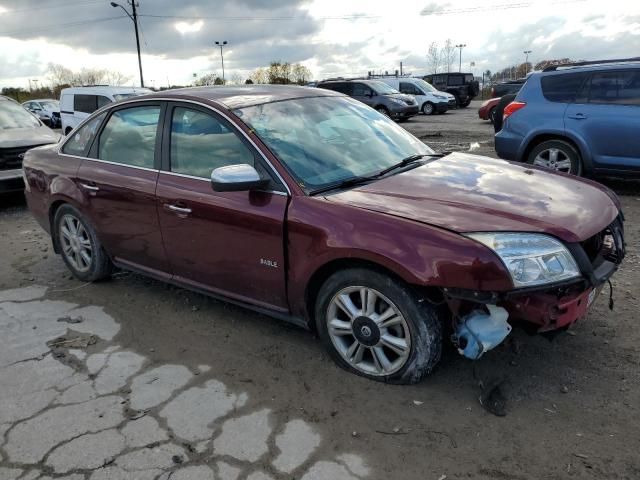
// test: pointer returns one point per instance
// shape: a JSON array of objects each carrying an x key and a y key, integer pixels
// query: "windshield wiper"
[
  {"x": 406, "y": 161},
  {"x": 350, "y": 182}
]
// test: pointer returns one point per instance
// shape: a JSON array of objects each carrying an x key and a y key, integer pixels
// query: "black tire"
[
  {"x": 383, "y": 110},
  {"x": 100, "y": 266},
  {"x": 458, "y": 103},
  {"x": 492, "y": 115},
  {"x": 424, "y": 324},
  {"x": 566, "y": 150},
  {"x": 428, "y": 108},
  {"x": 466, "y": 103}
]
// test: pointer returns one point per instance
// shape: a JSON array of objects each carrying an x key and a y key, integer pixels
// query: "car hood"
[
  {"x": 470, "y": 193},
  {"x": 25, "y": 137}
]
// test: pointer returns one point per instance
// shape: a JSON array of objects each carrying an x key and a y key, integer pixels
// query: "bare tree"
[
  {"x": 448, "y": 54},
  {"x": 206, "y": 79},
  {"x": 433, "y": 57},
  {"x": 300, "y": 73},
  {"x": 236, "y": 78},
  {"x": 116, "y": 78},
  {"x": 259, "y": 75},
  {"x": 59, "y": 75}
]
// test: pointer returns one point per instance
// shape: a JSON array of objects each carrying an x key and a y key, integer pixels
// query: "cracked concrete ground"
[
  {"x": 191, "y": 370},
  {"x": 114, "y": 414}
]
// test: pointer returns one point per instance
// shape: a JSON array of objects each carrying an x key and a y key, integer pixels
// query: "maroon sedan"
[
  {"x": 487, "y": 110},
  {"x": 314, "y": 208}
]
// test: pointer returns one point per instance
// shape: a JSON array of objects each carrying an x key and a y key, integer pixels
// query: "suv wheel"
[
  {"x": 428, "y": 108},
  {"x": 374, "y": 326},
  {"x": 556, "y": 155},
  {"x": 81, "y": 250}
]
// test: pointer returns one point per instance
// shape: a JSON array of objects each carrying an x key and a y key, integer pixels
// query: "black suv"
[
  {"x": 378, "y": 95},
  {"x": 463, "y": 86},
  {"x": 505, "y": 88}
]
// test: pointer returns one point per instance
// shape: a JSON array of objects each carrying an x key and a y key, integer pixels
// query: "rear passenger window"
[
  {"x": 85, "y": 103},
  {"x": 563, "y": 88},
  {"x": 201, "y": 143},
  {"x": 129, "y": 137},
  {"x": 617, "y": 88},
  {"x": 80, "y": 139}
]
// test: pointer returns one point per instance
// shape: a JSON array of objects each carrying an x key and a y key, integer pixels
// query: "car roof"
[
  {"x": 8, "y": 99},
  {"x": 102, "y": 89},
  {"x": 246, "y": 95},
  {"x": 561, "y": 69},
  {"x": 41, "y": 100}
]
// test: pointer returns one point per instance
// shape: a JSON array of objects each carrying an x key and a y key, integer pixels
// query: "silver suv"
[{"x": 378, "y": 95}]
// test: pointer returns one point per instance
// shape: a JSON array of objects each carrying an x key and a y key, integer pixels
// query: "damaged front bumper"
[{"x": 543, "y": 308}]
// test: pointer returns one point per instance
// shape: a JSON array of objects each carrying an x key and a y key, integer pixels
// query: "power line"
[
  {"x": 58, "y": 5},
  {"x": 292, "y": 17},
  {"x": 57, "y": 26},
  {"x": 503, "y": 6}
]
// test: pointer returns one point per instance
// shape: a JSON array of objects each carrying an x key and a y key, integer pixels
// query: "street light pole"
[
  {"x": 224, "y": 42},
  {"x": 134, "y": 18},
  {"x": 526, "y": 61},
  {"x": 460, "y": 46}
]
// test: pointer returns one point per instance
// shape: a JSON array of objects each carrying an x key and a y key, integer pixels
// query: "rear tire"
[
  {"x": 395, "y": 338},
  {"x": 80, "y": 248},
  {"x": 492, "y": 115},
  {"x": 556, "y": 155}
]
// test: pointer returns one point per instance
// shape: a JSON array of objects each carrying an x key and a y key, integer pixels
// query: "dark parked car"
[
  {"x": 505, "y": 88},
  {"x": 463, "y": 86},
  {"x": 19, "y": 131},
  {"x": 378, "y": 95},
  {"x": 312, "y": 207},
  {"x": 582, "y": 119}
]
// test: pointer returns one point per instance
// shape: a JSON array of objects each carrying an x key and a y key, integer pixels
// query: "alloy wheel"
[
  {"x": 554, "y": 159},
  {"x": 76, "y": 243},
  {"x": 368, "y": 331},
  {"x": 427, "y": 109}
]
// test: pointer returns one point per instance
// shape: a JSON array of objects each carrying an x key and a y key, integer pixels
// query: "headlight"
[
  {"x": 398, "y": 101},
  {"x": 439, "y": 96},
  {"x": 531, "y": 258}
]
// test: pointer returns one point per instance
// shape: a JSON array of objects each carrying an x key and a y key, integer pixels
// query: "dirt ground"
[{"x": 573, "y": 403}]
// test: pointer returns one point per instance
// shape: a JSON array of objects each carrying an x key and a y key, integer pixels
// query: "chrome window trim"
[
  {"x": 183, "y": 175},
  {"x": 180, "y": 100},
  {"x": 112, "y": 163}
]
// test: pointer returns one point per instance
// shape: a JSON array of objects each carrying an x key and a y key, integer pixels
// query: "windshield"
[
  {"x": 13, "y": 115},
  {"x": 382, "y": 88},
  {"x": 325, "y": 140},
  {"x": 427, "y": 87},
  {"x": 50, "y": 105}
]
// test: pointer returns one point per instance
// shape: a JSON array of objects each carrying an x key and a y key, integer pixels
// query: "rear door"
[
  {"x": 119, "y": 182},
  {"x": 607, "y": 117},
  {"x": 229, "y": 243}
]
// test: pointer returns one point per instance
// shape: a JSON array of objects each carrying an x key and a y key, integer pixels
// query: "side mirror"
[{"x": 237, "y": 178}]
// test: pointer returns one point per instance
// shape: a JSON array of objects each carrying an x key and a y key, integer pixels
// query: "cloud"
[{"x": 434, "y": 8}]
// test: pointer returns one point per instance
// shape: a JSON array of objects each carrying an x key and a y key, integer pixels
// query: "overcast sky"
[{"x": 331, "y": 37}]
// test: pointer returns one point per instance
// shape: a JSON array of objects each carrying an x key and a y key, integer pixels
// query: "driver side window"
[
  {"x": 360, "y": 90},
  {"x": 201, "y": 143}
]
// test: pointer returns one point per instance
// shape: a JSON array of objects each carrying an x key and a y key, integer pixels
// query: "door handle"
[
  {"x": 178, "y": 209},
  {"x": 90, "y": 186},
  {"x": 578, "y": 116}
]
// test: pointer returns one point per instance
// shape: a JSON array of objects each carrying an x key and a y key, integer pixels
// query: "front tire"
[
  {"x": 428, "y": 108},
  {"x": 556, "y": 155},
  {"x": 492, "y": 115},
  {"x": 375, "y": 326},
  {"x": 383, "y": 111},
  {"x": 80, "y": 248}
]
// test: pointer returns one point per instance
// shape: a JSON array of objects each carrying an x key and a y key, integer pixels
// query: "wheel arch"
[
  {"x": 576, "y": 143},
  {"x": 324, "y": 271}
]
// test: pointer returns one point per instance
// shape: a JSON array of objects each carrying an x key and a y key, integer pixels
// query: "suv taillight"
[{"x": 512, "y": 108}]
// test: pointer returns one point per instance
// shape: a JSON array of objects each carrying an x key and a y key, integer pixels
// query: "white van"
[
  {"x": 77, "y": 103},
  {"x": 430, "y": 100}
]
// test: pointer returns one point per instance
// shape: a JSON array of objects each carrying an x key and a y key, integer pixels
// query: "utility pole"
[
  {"x": 400, "y": 68},
  {"x": 526, "y": 61},
  {"x": 224, "y": 42},
  {"x": 134, "y": 18},
  {"x": 461, "y": 46}
]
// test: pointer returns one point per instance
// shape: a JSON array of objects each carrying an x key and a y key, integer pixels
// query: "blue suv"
[{"x": 581, "y": 118}]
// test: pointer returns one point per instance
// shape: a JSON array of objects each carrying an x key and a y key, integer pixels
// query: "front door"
[
  {"x": 608, "y": 118},
  {"x": 230, "y": 243},
  {"x": 363, "y": 93},
  {"x": 119, "y": 182}
]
